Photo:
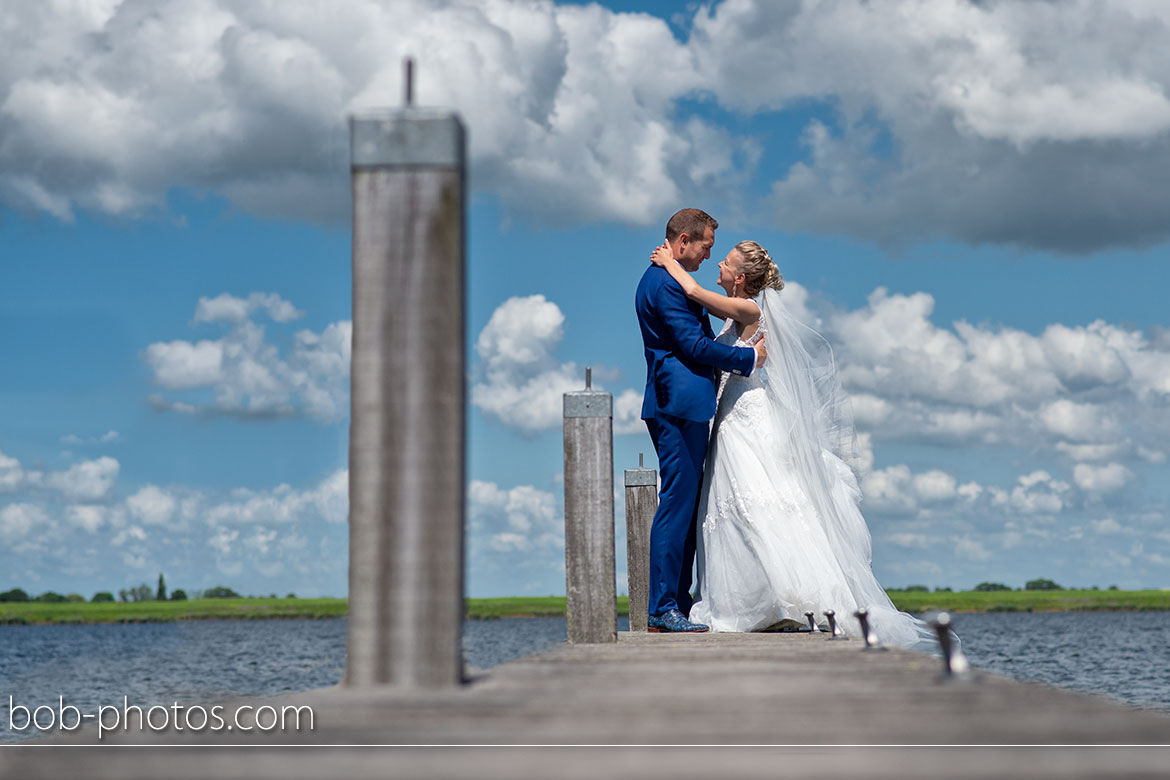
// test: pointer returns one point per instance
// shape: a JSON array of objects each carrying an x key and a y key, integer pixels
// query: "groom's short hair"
[{"x": 693, "y": 222}]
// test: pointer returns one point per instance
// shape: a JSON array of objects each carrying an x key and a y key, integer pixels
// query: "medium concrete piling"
[
  {"x": 591, "y": 603},
  {"x": 407, "y": 426},
  {"x": 641, "y": 504}
]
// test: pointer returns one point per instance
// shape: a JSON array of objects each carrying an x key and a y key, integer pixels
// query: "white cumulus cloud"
[
  {"x": 955, "y": 117},
  {"x": 13, "y": 476},
  {"x": 521, "y": 382},
  {"x": 89, "y": 517},
  {"x": 949, "y": 118},
  {"x": 514, "y": 519},
  {"x": 228, "y": 308},
  {"x": 20, "y": 520},
  {"x": 152, "y": 505},
  {"x": 1101, "y": 479},
  {"x": 89, "y": 480},
  {"x": 107, "y": 106},
  {"x": 1035, "y": 493},
  {"x": 108, "y": 437},
  {"x": 284, "y": 504},
  {"x": 246, "y": 374},
  {"x": 1089, "y": 393},
  {"x": 180, "y": 365}
]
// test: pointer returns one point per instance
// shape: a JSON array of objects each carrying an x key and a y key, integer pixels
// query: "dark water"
[
  {"x": 205, "y": 662},
  {"x": 1122, "y": 655},
  {"x": 1125, "y": 655}
]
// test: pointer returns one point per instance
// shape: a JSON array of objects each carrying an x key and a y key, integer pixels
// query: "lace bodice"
[
  {"x": 728, "y": 335},
  {"x": 740, "y": 396}
]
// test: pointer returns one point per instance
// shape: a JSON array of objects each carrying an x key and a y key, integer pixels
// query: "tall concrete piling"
[
  {"x": 641, "y": 504},
  {"x": 589, "y": 537},
  {"x": 407, "y": 424}
]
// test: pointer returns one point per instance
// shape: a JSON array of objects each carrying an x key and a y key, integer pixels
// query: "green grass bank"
[
  {"x": 1032, "y": 600},
  {"x": 33, "y": 613}
]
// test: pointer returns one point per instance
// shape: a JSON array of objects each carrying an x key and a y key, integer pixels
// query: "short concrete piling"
[
  {"x": 407, "y": 429},
  {"x": 591, "y": 598},
  {"x": 641, "y": 504}
]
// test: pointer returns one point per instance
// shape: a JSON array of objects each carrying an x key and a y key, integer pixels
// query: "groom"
[{"x": 681, "y": 355}]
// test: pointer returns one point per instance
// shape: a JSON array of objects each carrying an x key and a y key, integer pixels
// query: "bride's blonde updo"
[{"x": 759, "y": 270}]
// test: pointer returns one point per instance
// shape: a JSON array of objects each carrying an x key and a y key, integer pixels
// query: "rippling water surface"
[
  {"x": 1125, "y": 655},
  {"x": 204, "y": 662}
]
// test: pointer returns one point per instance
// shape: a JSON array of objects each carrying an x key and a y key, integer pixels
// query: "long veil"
[{"x": 813, "y": 421}]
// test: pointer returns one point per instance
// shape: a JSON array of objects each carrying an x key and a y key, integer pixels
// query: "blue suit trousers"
[{"x": 682, "y": 447}]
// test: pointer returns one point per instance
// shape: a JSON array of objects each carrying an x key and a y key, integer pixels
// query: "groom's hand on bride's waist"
[{"x": 761, "y": 351}]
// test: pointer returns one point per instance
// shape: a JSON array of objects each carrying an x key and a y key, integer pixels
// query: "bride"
[{"x": 781, "y": 532}]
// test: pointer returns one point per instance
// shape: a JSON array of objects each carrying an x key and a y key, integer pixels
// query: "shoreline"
[{"x": 915, "y": 602}]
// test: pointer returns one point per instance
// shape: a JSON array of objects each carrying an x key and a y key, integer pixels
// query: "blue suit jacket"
[{"x": 681, "y": 351}]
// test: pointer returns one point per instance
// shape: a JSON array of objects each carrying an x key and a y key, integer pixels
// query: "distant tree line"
[
  {"x": 142, "y": 592},
  {"x": 48, "y": 597},
  {"x": 1037, "y": 584}
]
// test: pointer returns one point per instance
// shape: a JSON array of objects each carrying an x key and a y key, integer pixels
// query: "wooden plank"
[
  {"x": 585, "y": 763},
  {"x": 712, "y": 689}
]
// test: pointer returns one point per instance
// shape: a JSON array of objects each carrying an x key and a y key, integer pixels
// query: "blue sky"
[{"x": 978, "y": 228}]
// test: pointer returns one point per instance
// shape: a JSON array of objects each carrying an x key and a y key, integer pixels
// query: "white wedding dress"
[{"x": 780, "y": 530}]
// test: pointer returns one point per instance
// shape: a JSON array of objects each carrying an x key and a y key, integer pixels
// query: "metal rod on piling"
[
  {"x": 407, "y": 426},
  {"x": 591, "y": 597},
  {"x": 641, "y": 504},
  {"x": 408, "y": 82}
]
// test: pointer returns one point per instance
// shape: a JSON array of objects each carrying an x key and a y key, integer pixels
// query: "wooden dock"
[
  {"x": 583, "y": 710},
  {"x": 814, "y": 695}
]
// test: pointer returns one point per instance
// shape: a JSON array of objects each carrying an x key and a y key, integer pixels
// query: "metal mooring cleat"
[
  {"x": 835, "y": 631},
  {"x": 871, "y": 640},
  {"x": 954, "y": 662}
]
